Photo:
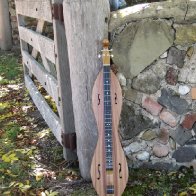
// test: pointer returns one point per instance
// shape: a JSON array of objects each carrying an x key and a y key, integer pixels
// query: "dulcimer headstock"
[{"x": 106, "y": 53}]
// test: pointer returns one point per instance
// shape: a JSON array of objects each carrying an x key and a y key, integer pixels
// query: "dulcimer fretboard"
[{"x": 107, "y": 117}]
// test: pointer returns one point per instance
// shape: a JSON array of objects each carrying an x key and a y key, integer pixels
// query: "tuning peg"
[
  {"x": 112, "y": 55},
  {"x": 99, "y": 56}
]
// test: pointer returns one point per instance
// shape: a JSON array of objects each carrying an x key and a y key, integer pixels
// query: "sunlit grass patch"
[
  {"x": 3, "y": 92},
  {"x": 4, "y": 116},
  {"x": 3, "y": 107}
]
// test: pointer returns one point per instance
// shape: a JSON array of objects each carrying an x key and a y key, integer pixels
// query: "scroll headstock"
[{"x": 106, "y": 53}]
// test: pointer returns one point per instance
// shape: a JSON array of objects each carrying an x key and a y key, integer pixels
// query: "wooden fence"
[
  {"x": 79, "y": 28},
  {"x": 45, "y": 60}
]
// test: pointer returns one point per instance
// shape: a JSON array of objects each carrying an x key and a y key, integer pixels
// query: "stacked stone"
[{"x": 156, "y": 61}]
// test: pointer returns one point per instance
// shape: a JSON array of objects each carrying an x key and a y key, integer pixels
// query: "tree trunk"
[
  {"x": 86, "y": 24},
  {"x": 5, "y": 28}
]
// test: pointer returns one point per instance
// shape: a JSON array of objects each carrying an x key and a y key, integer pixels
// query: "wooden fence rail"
[{"x": 56, "y": 83}]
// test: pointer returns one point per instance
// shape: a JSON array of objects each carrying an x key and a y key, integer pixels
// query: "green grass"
[
  {"x": 10, "y": 69},
  {"x": 145, "y": 182},
  {"x": 12, "y": 131},
  {"x": 21, "y": 154},
  {"x": 15, "y": 155}
]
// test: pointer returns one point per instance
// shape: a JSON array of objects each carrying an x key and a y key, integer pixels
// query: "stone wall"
[{"x": 154, "y": 47}]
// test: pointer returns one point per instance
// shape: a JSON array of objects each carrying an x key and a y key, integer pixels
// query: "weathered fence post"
[
  {"x": 86, "y": 24},
  {"x": 5, "y": 27},
  {"x": 63, "y": 75}
]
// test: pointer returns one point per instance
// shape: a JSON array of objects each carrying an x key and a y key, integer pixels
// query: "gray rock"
[
  {"x": 175, "y": 10},
  {"x": 194, "y": 128},
  {"x": 181, "y": 135},
  {"x": 159, "y": 166},
  {"x": 185, "y": 154},
  {"x": 160, "y": 150},
  {"x": 173, "y": 102},
  {"x": 147, "y": 82},
  {"x": 149, "y": 135},
  {"x": 135, "y": 147},
  {"x": 191, "y": 142},
  {"x": 184, "y": 72},
  {"x": 132, "y": 124},
  {"x": 190, "y": 69},
  {"x": 143, "y": 156},
  {"x": 191, "y": 78},
  {"x": 194, "y": 106},
  {"x": 176, "y": 57},
  {"x": 172, "y": 143},
  {"x": 183, "y": 89},
  {"x": 164, "y": 55},
  {"x": 133, "y": 96},
  {"x": 140, "y": 44},
  {"x": 159, "y": 68},
  {"x": 122, "y": 79}
]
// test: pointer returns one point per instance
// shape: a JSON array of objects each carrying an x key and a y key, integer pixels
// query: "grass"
[
  {"x": 30, "y": 156},
  {"x": 145, "y": 182},
  {"x": 84, "y": 192},
  {"x": 152, "y": 182},
  {"x": 15, "y": 162},
  {"x": 10, "y": 69},
  {"x": 18, "y": 136}
]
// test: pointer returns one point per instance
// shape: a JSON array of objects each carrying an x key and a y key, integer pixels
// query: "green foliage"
[
  {"x": 12, "y": 132},
  {"x": 3, "y": 107}
]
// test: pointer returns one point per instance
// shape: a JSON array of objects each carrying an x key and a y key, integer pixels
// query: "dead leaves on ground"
[{"x": 21, "y": 169}]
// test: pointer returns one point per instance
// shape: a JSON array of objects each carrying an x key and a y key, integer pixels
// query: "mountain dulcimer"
[{"x": 109, "y": 171}]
